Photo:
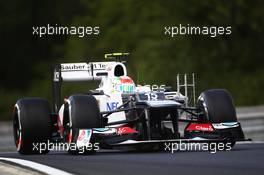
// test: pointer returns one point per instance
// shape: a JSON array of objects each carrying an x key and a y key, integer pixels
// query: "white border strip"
[
  {"x": 39, "y": 167},
  {"x": 250, "y": 115},
  {"x": 249, "y": 142}
]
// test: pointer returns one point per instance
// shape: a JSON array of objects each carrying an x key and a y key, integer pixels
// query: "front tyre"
[
  {"x": 218, "y": 108},
  {"x": 81, "y": 112}
]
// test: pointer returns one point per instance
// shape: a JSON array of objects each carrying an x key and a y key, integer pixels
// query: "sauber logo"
[{"x": 67, "y": 67}]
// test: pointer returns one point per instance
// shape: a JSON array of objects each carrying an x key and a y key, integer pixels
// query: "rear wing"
[
  {"x": 76, "y": 72},
  {"x": 80, "y": 71},
  {"x": 72, "y": 72}
]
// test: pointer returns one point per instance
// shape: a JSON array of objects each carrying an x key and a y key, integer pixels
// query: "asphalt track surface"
[{"x": 242, "y": 159}]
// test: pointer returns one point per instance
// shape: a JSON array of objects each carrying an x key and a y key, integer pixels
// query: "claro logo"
[
  {"x": 71, "y": 67},
  {"x": 200, "y": 127}
]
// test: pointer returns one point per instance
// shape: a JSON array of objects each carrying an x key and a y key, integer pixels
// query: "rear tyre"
[
  {"x": 81, "y": 112},
  {"x": 32, "y": 125}
]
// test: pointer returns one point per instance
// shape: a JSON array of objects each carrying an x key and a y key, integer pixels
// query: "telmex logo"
[{"x": 72, "y": 67}]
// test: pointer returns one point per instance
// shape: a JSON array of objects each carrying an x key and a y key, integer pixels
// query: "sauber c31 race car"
[{"x": 121, "y": 114}]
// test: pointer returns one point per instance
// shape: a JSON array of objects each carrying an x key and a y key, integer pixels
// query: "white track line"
[
  {"x": 37, "y": 166},
  {"x": 250, "y": 115},
  {"x": 249, "y": 142}
]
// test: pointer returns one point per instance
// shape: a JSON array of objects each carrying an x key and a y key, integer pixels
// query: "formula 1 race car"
[{"x": 121, "y": 114}]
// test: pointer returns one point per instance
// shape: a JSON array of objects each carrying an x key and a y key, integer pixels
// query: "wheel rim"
[
  {"x": 67, "y": 126},
  {"x": 17, "y": 129},
  {"x": 68, "y": 133}
]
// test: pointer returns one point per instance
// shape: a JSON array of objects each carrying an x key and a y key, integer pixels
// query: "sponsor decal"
[
  {"x": 126, "y": 88},
  {"x": 123, "y": 84},
  {"x": 200, "y": 127},
  {"x": 65, "y": 67},
  {"x": 126, "y": 80},
  {"x": 81, "y": 135},
  {"x": 112, "y": 106},
  {"x": 99, "y": 66},
  {"x": 126, "y": 130},
  {"x": 84, "y": 137},
  {"x": 88, "y": 136}
]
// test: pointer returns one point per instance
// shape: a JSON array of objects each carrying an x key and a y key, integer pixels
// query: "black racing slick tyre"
[
  {"x": 217, "y": 105},
  {"x": 32, "y": 125},
  {"x": 80, "y": 112}
]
